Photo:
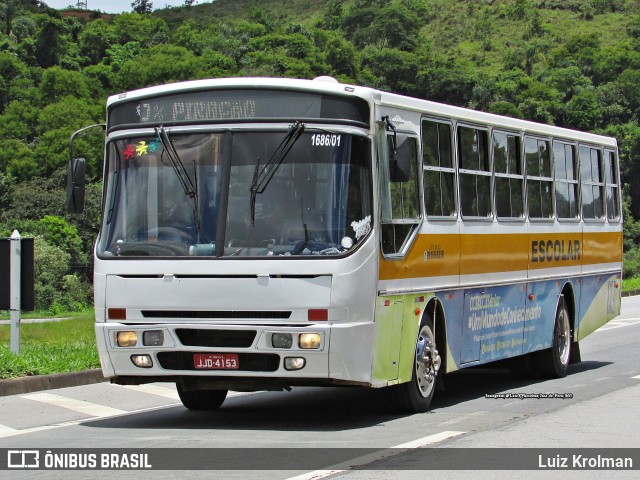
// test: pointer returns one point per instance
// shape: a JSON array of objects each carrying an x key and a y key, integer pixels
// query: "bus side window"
[
  {"x": 509, "y": 178},
  {"x": 611, "y": 181},
  {"x": 591, "y": 177},
  {"x": 439, "y": 172},
  {"x": 400, "y": 196},
  {"x": 539, "y": 180},
  {"x": 564, "y": 162},
  {"x": 475, "y": 173}
]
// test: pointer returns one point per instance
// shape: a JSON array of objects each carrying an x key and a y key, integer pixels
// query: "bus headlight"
[
  {"x": 281, "y": 340},
  {"x": 127, "y": 339},
  {"x": 153, "y": 338},
  {"x": 309, "y": 340}
]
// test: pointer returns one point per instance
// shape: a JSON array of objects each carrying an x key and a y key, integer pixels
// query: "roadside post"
[
  {"x": 16, "y": 281},
  {"x": 14, "y": 289}
]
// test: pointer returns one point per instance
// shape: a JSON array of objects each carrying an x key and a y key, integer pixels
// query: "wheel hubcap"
[
  {"x": 427, "y": 362},
  {"x": 563, "y": 337}
]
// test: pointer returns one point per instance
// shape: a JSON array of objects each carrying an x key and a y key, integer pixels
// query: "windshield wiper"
[
  {"x": 190, "y": 189},
  {"x": 261, "y": 180}
]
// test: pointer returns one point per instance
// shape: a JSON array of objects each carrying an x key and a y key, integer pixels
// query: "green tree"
[
  {"x": 51, "y": 264},
  {"x": 583, "y": 111},
  {"x": 95, "y": 39},
  {"x": 392, "y": 26},
  {"x": 448, "y": 80},
  {"x": 341, "y": 55},
  {"x": 394, "y": 69},
  {"x": 17, "y": 159},
  {"x": 142, "y": 6},
  {"x": 49, "y": 44},
  {"x": 58, "y": 83},
  {"x": 11, "y": 70},
  {"x": 145, "y": 29},
  {"x": 19, "y": 121},
  {"x": 161, "y": 64},
  {"x": 56, "y": 231},
  {"x": 7, "y": 186}
]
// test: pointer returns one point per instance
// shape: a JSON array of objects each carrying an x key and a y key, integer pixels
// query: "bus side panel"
[
  {"x": 599, "y": 303},
  {"x": 542, "y": 303},
  {"x": 388, "y": 333},
  {"x": 493, "y": 323},
  {"x": 453, "y": 305}
]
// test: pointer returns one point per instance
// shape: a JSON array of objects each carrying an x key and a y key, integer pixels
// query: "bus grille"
[
  {"x": 217, "y": 314},
  {"x": 192, "y": 337},
  {"x": 249, "y": 362}
]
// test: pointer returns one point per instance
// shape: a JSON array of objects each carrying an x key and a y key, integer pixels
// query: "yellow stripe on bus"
[{"x": 434, "y": 255}]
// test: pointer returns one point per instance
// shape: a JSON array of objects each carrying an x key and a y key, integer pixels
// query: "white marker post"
[{"x": 14, "y": 304}]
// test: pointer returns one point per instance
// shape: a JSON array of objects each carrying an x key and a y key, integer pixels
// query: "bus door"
[
  {"x": 389, "y": 319},
  {"x": 400, "y": 218}
]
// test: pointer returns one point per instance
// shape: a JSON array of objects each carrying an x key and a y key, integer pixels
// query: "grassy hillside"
[{"x": 292, "y": 10}]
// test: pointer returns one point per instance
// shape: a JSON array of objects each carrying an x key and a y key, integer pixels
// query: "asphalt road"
[{"x": 321, "y": 433}]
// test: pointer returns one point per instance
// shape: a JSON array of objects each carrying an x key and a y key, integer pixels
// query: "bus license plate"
[{"x": 215, "y": 361}]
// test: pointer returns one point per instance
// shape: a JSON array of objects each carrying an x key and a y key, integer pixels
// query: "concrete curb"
[
  {"x": 17, "y": 386},
  {"x": 631, "y": 293}
]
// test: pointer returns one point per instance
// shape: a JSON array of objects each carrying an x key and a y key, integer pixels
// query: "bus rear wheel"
[
  {"x": 554, "y": 362},
  {"x": 201, "y": 399},
  {"x": 415, "y": 396}
]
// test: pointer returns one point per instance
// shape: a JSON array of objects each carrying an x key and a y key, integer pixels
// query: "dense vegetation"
[{"x": 572, "y": 63}]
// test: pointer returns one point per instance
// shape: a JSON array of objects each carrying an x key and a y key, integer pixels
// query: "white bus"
[{"x": 260, "y": 234}]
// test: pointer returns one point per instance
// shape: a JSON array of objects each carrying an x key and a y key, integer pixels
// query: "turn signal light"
[
  {"x": 117, "y": 313},
  {"x": 318, "y": 315}
]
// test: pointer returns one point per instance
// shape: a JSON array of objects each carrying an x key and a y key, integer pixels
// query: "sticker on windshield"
[
  {"x": 129, "y": 152},
  {"x": 325, "y": 140},
  {"x": 142, "y": 148},
  {"x": 135, "y": 150},
  {"x": 362, "y": 227}
]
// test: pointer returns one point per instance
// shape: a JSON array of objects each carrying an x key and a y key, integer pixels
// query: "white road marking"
[
  {"x": 80, "y": 406},
  {"x": 98, "y": 412},
  {"x": 42, "y": 428},
  {"x": 619, "y": 323},
  {"x": 637, "y": 377},
  {"x": 454, "y": 420},
  {"x": 373, "y": 457},
  {"x": 153, "y": 390},
  {"x": 170, "y": 392},
  {"x": 6, "y": 430},
  {"x": 461, "y": 418}
]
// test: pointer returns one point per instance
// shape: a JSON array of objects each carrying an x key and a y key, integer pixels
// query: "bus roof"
[{"x": 372, "y": 96}]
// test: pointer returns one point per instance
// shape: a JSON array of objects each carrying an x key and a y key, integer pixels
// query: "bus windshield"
[{"x": 194, "y": 194}]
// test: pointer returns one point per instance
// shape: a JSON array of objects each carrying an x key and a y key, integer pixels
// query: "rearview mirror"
[{"x": 76, "y": 181}]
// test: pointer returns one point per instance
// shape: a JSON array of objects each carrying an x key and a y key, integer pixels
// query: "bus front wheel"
[
  {"x": 201, "y": 399},
  {"x": 415, "y": 396},
  {"x": 555, "y": 361}
]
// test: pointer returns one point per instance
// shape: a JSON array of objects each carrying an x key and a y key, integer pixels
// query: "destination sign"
[{"x": 210, "y": 106}]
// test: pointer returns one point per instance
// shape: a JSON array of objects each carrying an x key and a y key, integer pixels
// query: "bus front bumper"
[{"x": 239, "y": 357}]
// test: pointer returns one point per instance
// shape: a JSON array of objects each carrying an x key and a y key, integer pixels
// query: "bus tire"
[
  {"x": 415, "y": 396},
  {"x": 201, "y": 399},
  {"x": 555, "y": 361}
]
